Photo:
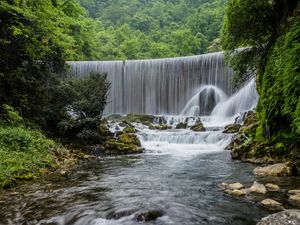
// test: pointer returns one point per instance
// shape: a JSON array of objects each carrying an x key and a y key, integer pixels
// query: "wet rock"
[
  {"x": 279, "y": 169},
  {"x": 163, "y": 127},
  {"x": 232, "y": 128},
  {"x": 149, "y": 216},
  {"x": 181, "y": 125},
  {"x": 129, "y": 130},
  {"x": 236, "y": 192},
  {"x": 286, "y": 217},
  {"x": 139, "y": 118},
  {"x": 237, "y": 186},
  {"x": 257, "y": 188},
  {"x": 95, "y": 150},
  {"x": 294, "y": 199},
  {"x": 89, "y": 157},
  {"x": 63, "y": 173},
  {"x": 293, "y": 192},
  {"x": 224, "y": 185},
  {"x": 272, "y": 204},
  {"x": 114, "y": 147},
  {"x": 198, "y": 127},
  {"x": 272, "y": 187},
  {"x": 48, "y": 188}
]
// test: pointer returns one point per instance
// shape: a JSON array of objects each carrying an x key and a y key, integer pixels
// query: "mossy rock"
[
  {"x": 181, "y": 125},
  {"x": 126, "y": 123},
  {"x": 104, "y": 131},
  {"x": 113, "y": 146},
  {"x": 232, "y": 128},
  {"x": 6, "y": 184},
  {"x": 163, "y": 127},
  {"x": 139, "y": 118},
  {"x": 130, "y": 139},
  {"x": 198, "y": 127},
  {"x": 151, "y": 127},
  {"x": 129, "y": 130},
  {"x": 116, "y": 117}
]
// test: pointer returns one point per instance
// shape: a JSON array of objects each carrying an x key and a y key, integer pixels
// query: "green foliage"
[
  {"x": 87, "y": 99},
  {"x": 10, "y": 116},
  {"x": 269, "y": 33},
  {"x": 280, "y": 90},
  {"x": 23, "y": 153},
  {"x": 154, "y": 28}
]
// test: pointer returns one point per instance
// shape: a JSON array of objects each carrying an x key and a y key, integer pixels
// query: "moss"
[
  {"x": 129, "y": 130},
  {"x": 26, "y": 154},
  {"x": 198, "y": 127},
  {"x": 131, "y": 139},
  {"x": 162, "y": 127},
  {"x": 116, "y": 147},
  {"x": 8, "y": 183},
  {"x": 139, "y": 118},
  {"x": 181, "y": 125}
]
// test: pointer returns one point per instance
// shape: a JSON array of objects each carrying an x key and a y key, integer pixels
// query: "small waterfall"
[
  {"x": 243, "y": 100},
  {"x": 204, "y": 101},
  {"x": 160, "y": 86}
]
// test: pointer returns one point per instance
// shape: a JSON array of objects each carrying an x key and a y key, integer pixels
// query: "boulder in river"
[
  {"x": 279, "y": 169},
  {"x": 286, "y": 217},
  {"x": 272, "y": 187},
  {"x": 257, "y": 188},
  {"x": 294, "y": 200},
  {"x": 237, "y": 186},
  {"x": 236, "y": 192},
  {"x": 198, "y": 127},
  {"x": 181, "y": 125},
  {"x": 149, "y": 216},
  {"x": 232, "y": 128},
  {"x": 272, "y": 204}
]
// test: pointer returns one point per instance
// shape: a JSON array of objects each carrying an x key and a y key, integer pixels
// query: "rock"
[
  {"x": 48, "y": 188},
  {"x": 237, "y": 186},
  {"x": 129, "y": 130},
  {"x": 89, "y": 157},
  {"x": 232, "y": 128},
  {"x": 257, "y": 188},
  {"x": 163, "y": 127},
  {"x": 63, "y": 173},
  {"x": 95, "y": 150},
  {"x": 279, "y": 169},
  {"x": 236, "y": 192},
  {"x": 181, "y": 125},
  {"x": 198, "y": 127},
  {"x": 293, "y": 192},
  {"x": 272, "y": 204},
  {"x": 148, "y": 216},
  {"x": 294, "y": 199},
  {"x": 224, "y": 185},
  {"x": 272, "y": 187},
  {"x": 286, "y": 217},
  {"x": 139, "y": 118}
]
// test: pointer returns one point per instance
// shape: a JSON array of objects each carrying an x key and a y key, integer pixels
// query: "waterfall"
[
  {"x": 163, "y": 86},
  {"x": 243, "y": 100}
]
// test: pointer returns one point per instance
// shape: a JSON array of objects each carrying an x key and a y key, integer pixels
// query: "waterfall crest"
[{"x": 161, "y": 86}]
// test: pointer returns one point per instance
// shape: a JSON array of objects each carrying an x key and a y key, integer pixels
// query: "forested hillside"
[{"x": 155, "y": 28}]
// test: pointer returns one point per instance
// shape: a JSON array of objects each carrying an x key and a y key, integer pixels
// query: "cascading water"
[
  {"x": 176, "y": 88},
  {"x": 158, "y": 86}
]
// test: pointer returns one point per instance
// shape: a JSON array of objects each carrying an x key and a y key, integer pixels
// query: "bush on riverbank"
[{"x": 24, "y": 154}]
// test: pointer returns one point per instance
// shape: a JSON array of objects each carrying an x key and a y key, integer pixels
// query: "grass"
[{"x": 24, "y": 154}]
